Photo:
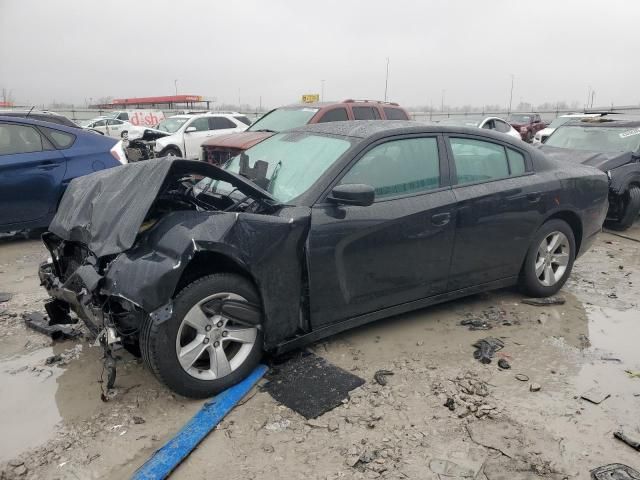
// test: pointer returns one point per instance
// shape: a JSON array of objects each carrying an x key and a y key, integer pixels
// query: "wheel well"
[
  {"x": 574, "y": 222},
  {"x": 206, "y": 263},
  {"x": 171, "y": 147}
]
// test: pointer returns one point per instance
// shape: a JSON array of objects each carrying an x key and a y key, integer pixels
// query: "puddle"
[
  {"x": 616, "y": 334},
  {"x": 28, "y": 412}
]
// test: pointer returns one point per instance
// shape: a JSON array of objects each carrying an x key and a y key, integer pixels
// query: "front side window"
[
  {"x": 200, "y": 124},
  {"x": 283, "y": 119},
  {"x": 365, "y": 113},
  {"x": 19, "y": 139},
  {"x": 242, "y": 119},
  {"x": 399, "y": 167},
  {"x": 478, "y": 160},
  {"x": 100, "y": 123},
  {"x": 335, "y": 115}
]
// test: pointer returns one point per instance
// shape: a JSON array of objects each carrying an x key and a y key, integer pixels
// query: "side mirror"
[
  {"x": 190, "y": 129},
  {"x": 353, "y": 194}
]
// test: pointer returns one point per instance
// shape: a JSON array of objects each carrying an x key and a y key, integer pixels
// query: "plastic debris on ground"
[
  {"x": 623, "y": 437},
  {"x": 5, "y": 297},
  {"x": 486, "y": 349},
  {"x": 309, "y": 385},
  {"x": 615, "y": 471},
  {"x": 380, "y": 376},
  {"x": 542, "y": 302},
  {"x": 595, "y": 395},
  {"x": 40, "y": 323}
]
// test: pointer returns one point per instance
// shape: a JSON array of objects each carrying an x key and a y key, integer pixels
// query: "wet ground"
[{"x": 54, "y": 424}]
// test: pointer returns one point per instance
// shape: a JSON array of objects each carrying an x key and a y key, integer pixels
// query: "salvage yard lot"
[{"x": 498, "y": 429}]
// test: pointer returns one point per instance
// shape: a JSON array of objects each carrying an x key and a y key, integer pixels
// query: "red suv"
[
  {"x": 526, "y": 124},
  {"x": 222, "y": 147}
]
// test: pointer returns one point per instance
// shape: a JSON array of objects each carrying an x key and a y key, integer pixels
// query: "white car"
[
  {"x": 112, "y": 127},
  {"x": 188, "y": 132},
  {"x": 496, "y": 124},
  {"x": 542, "y": 135}
]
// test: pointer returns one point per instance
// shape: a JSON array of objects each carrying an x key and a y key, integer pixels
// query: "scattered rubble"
[
  {"x": 595, "y": 395},
  {"x": 486, "y": 349},
  {"x": 5, "y": 297},
  {"x": 623, "y": 437},
  {"x": 380, "y": 376}
]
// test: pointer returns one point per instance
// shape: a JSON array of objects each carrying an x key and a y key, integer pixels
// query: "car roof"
[
  {"x": 207, "y": 114},
  {"x": 358, "y": 103},
  {"x": 385, "y": 128},
  {"x": 619, "y": 121},
  {"x": 41, "y": 123}
]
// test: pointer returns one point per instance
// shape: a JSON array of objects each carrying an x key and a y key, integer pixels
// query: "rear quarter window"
[
  {"x": 365, "y": 113},
  {"x": 395, "y": 114},
  {"x": 60, "y": 139}
]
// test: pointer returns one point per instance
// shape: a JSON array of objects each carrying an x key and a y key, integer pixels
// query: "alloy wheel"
[
  {"x": 552, "y": 258},
  {"x": 210, "y": 346}
]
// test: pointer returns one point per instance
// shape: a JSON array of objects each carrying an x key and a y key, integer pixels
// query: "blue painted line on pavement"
[{"x": 169, "y": 456}]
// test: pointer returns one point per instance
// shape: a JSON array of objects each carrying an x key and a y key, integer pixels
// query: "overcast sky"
[{"x": 72, "y": 50}]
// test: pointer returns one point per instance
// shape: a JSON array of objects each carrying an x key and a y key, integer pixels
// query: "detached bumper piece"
[{"x": 48, "y": 326}]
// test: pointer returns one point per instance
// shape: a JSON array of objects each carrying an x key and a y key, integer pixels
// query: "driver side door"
[
  {"x": 193, "y": 140},
  {"x": 363, "y": 259}
]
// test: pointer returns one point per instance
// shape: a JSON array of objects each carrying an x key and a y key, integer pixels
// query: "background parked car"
[
  {"x": 218, "y": 150},
  {"x": 37, "y": 162},
  {"x": 611, "y": 144},
  {"x": 112, "y": 127},
  {"x": 496, "y": 124},
  {"x": 527, "y": 124},
  {"x": 138, "y": 117},
  {"x": 188, "y": 132},
  {"x": 42, "y": 115},
  {"x": 354, "y": 222},
  {"x": 541, "y": 136}
]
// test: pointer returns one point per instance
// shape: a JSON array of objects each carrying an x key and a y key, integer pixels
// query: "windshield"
[
  {"x": 463, "y": 121},
  {"x": 519, "y": 118},
  {"x": 562, "y": 120},
  {"x": 295, "y": 162},
  {"x": 171, "y": 124},
  {"x": 283, "y": 119},
  {"x": 599, "y": 139}
]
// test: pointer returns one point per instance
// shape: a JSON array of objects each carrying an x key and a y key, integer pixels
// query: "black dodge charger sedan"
[{"x": 315, "y": 230}]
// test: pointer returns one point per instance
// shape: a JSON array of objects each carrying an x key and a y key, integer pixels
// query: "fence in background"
[{"x": 80, "y": 115}]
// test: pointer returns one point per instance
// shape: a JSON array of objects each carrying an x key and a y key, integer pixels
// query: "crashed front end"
[{"x": 122, "y": 240}]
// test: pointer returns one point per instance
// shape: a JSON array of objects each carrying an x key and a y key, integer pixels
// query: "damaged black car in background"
[
  {"x": 611, "y": 144},
  {"x": 313, "y": 231}
]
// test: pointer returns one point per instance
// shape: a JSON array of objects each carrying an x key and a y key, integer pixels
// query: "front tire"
[
  {"x": 549, "y": 259},
  {"x": 631, "y": 204},
  {"x": 170, "y": 152},
  {"x": 199, "y": 352}
]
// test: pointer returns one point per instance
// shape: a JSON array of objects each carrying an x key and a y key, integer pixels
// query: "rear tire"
[
  {"x": 631, "y": 210},
  {"x": 549, "y": 259},
  {"x": 189, "y": 353}
]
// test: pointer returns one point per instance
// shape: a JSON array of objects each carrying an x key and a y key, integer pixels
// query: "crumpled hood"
[
  {"x": 240, "y": 140},
  {"x": 105, "y": 210},
  {"x": 601, "y": 160}
]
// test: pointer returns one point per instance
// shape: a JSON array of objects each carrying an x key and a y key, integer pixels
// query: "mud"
[{"x": 55, "y": 426}]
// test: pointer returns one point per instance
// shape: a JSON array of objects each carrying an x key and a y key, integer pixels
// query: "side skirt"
[{"x": 329, "y": 330}]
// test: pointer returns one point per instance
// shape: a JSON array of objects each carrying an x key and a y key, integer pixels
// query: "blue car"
[{"x": 37, "y": 162}]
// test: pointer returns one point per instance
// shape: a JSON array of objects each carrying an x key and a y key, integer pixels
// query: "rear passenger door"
[
  {"x": 222, "y": 125},
  {"x": 497, "y": 209},
  {"x": 338, "y": 114},
  {"x": 31, "y": 173},
  {"x": 365, "y": 112},
  {"x": 398, "y": 249}
]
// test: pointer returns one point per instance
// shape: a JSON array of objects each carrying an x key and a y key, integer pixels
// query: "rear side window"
[
  {"x": 123, "y": 116},
  {"x": 335, "y": 115},
  {"x": 60, "y": 139},
  {"x": 365, "y": 113},
  {"x": 243, "y": 119},
  {"x": 502, "y": 126},
  {"x": 516, "y": 162},
  {"x": 220, "y": 123},
  {"x": 478, "y": 161},
  {"x": 399, "y": 167},
  {"x": 395, "y": 114},
  {"x": 19, "y": 139}
]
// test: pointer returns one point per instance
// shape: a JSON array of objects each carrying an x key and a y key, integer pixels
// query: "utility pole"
[
  {"x": 386, "y": 81},
  {"x": 511, "y": 95},
  {"x": 175, "y": 84},
  {"x": 593, "y": 95},
  {"x": 322, "y": 90},
  {"x": 260, "y": 103},
  {"x": 442, "y": 102},
  {"x": 239, "y": 99}
]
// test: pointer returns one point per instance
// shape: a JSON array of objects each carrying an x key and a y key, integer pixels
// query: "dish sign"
[{"x": 310, "y": 98}]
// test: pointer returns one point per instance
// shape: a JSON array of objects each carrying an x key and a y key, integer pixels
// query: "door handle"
[
  {"x": 440, "y": 219},
  {"x": 534, "y": 197},
  {"x": 48, "y": 165}
]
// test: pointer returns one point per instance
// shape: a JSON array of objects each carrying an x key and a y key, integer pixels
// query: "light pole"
[
  {"x": 386, "y": 81},
  {"x": 511, "y": 95},
  {"x": 442, "y": 102},
  {"x": 175, "y": 84},
  {"x": 322, "y": 90}
]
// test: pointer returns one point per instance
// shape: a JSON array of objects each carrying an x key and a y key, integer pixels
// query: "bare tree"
[{"x": 7, "y": 96}]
